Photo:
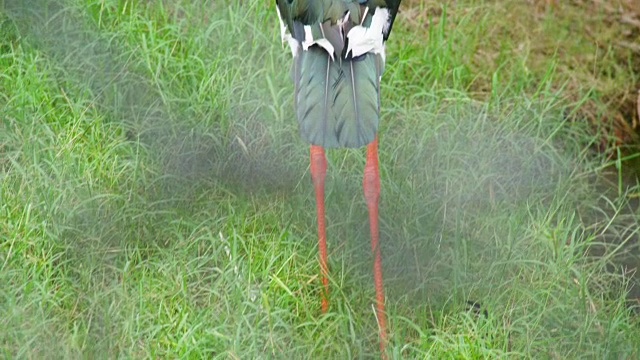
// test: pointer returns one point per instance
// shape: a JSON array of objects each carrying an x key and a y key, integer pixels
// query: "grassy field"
[{"x": 155, "y": 200}]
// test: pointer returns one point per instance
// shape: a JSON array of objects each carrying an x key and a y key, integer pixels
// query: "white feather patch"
[
  {"x": 294, "y": 45},
  {"x": 309, "y": 41},
  {"x": 369, "y": 39}
]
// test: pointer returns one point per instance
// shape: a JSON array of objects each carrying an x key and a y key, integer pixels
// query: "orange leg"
[
  {"x": 371, "y": 186},
  {"x": 318, "y": 171}
]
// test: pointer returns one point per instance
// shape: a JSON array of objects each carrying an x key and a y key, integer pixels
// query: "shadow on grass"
[{"x": 229, "y": 145}]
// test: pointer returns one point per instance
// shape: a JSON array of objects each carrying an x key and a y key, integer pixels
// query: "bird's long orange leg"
[
  {"x": 371, "y": 186},
  {"x": 318, "y": 171}
]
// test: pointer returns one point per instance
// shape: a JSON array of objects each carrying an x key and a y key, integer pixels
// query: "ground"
[{"x": 155, "y": 199}]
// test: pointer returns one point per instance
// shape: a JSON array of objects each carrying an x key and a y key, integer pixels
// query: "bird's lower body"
[{"x": 371, "y": 187}]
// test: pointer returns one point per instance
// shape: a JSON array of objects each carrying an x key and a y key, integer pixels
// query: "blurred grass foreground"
[{"x": 155, "y": 201}]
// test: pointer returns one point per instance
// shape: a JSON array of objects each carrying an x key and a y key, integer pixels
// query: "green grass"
[{"x": 155, "y": 201}]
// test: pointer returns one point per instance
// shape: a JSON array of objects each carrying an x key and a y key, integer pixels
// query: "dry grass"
[{"x": 595, "y": 45}]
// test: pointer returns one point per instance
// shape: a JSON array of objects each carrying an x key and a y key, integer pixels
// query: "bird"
[{"x": 338, "y": 49}]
